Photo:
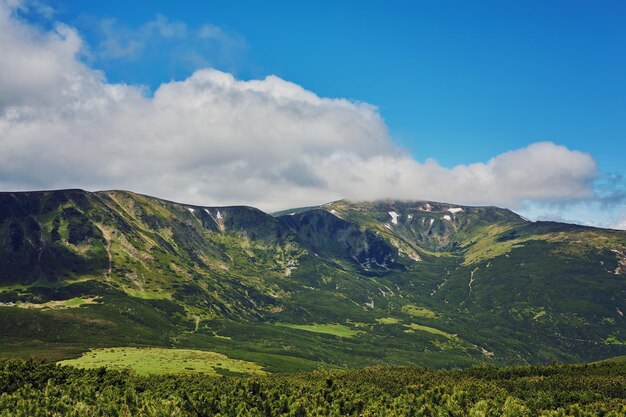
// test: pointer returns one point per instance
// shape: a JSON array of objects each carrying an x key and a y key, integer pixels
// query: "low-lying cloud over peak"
[{"x": 212, "y": 139}]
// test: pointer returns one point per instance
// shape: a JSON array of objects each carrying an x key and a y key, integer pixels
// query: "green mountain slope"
[{"x": 344, "y": 284}]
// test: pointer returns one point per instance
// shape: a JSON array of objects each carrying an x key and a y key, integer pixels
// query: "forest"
[{"x": 30, "y": 388}]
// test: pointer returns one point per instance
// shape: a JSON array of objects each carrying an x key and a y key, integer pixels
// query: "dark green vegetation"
[
  {"x": 341, "y": 285},
  {"x": 35, "y": 389}
]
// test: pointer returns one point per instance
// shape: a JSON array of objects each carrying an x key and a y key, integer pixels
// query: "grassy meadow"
[{"x": 159, "y": 361}]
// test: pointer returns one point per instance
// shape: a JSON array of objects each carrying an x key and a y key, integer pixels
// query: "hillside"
[{"x": 344, "y": 284}]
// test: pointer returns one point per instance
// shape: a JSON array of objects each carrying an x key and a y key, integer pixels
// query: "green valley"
[{"x": 342, "y": 285}]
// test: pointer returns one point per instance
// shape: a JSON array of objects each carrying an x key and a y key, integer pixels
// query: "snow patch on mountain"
[{"x": 217, "y": 218}]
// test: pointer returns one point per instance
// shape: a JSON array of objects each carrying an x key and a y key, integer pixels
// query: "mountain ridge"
[
  {"x": 287, "y": 211},
  {"x": 344, "y": 283}
]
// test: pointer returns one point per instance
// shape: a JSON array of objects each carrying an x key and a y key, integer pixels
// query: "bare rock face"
[{"x": 326, "y": 234}]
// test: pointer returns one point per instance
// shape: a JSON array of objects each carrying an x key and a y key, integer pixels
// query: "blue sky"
[
  {"x": 459, "y": 82},
  {"x": 456, "y": 81}
]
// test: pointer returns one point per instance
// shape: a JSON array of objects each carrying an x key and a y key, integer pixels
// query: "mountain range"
[{"x": 344, "y": 284}]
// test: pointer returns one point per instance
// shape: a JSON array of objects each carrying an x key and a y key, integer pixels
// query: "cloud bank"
[{"x": 212, "y": 139}]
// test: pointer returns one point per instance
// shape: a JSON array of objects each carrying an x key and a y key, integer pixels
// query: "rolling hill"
[{"x": 345, "y": 284}]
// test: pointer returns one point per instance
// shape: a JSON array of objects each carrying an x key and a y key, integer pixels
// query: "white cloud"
[
  {"x": 213, "y": 139},
  {"x": 171, "y": 43},
  {"x": 123, "y": 42},
  {"x": 620, "y": 223},
  {"x": 541, "y": 171},
  {"x": 40, "y": 67},
  {"x": 588, "y": 212}
]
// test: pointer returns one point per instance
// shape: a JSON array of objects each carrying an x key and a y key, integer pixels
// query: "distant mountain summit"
[{"x": 341, "y": 284}]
